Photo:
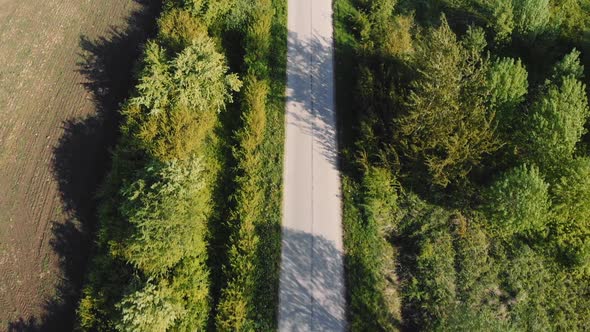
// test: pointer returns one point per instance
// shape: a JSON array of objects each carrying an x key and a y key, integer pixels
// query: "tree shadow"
[
  {"x": 81, "y": 159},
  {"x": 310, "y": 284},
  {"x": 311, "y": 105}
]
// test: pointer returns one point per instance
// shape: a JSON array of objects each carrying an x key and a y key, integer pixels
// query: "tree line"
[{"x": 160, "y": 204}]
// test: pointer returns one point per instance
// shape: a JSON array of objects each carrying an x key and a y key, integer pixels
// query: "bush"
[
  {"x": 428, "y": 256},
  {"x": 179, "y": 99},
  {"x": 502, "y": 20},
  {"x": 571, "y": 226},
  {"x": 375, "y": 303},
  {"x": 178, "y": 29},
  {"x": 518, "y": 203},
  {"x": 237, "y": 309},
  {"x": 245, "y": 303},
  {"x": 167, "y": 208},
  {"x": 154, "y": 308}
]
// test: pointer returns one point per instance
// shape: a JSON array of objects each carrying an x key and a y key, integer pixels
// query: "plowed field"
[{"x": 64, "y": 67}]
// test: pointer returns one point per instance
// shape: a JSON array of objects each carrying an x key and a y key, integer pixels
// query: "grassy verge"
[
  {"x": 249, "y": 299},
  {"x": 369, "y": 193}
]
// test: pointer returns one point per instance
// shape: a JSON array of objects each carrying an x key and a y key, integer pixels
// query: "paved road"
[{"x": 312, "y": 274}]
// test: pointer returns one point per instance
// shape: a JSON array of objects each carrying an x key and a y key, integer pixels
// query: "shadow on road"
[
  {"x": 81, "y": 159},
  {"x": 322, "y": 124},
  {"x": 324, "y": 261}
]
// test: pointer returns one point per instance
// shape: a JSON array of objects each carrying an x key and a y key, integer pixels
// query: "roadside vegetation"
[
  {"x": 161, "y": 205},
  {"x": 466, "y": 163},
  {"x": 249, "y": 300}
]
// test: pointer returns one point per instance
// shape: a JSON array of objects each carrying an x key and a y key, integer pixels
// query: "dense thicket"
[
  {"x": 152, "y": 267},
  {"x": 465, "y": 155}
]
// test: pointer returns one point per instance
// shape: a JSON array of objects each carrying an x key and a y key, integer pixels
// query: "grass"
[
  {"x": 272, "y": 150},
  {"x": 369, "y": 259},
  {"x": 248, "y": 239}
]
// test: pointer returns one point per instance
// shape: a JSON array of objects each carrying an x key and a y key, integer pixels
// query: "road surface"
[{"x": 312, "y": 275}]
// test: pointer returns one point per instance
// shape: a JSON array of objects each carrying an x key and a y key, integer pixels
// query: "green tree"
[
  {"x": 178, "y": 29},
  {"x": 531, "y": 17},
  {"x": 518, "y": 203},
  {"x": 508, "y": 85},
  {"x": 447, "y": 127},
  {"x": 569, "y": 66},
  {"x": 167, "y": 209},
  {"x": 502, "y": 19},
  {"x": 154, "y": 308},
  {"x": 558, "y": 118},
  {"x": 571, "y": 226},
  {"x": 178, "y": 100}
]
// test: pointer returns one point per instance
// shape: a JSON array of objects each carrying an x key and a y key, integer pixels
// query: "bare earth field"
[{"x": 64, "y": 67}]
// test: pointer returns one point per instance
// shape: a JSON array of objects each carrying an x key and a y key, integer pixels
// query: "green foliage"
[
  {"x": 474, "y": 40},
  {"x": 151, "y": 270},
  {"x": 569, "y": 66},
  {"x": 178, "y": 29},
  {"x": 508, "y": 85},
  {"x": 375, "y": 304},
  {"x": 518, "y": 203},
  {"x": 167, "y": 209},
  {"x": 154, "y": 308},
  {"x": 178, "y": 100},
  {"x": 572, "y": 18},
  {"x": 475, "y": 265},
  {"x": 248, "y": 301},
  {"x": 465, "y": 255},
  {"x": 531, "y": 17},
  {"x": 529, "y": 281},
  {"x": 558, "y": 118},
  {"x": 571, "y": 226},
  {"x": 430, "y": 287},
  {"x": 237, "y": 308},
  {"x": 502, "y": 19},
  {"x": 447, "y": 127}
]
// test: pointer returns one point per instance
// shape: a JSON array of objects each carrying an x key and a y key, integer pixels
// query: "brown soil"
[{"x": 64, "y": 67}]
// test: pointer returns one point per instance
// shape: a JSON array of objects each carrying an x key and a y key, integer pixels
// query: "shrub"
[
  {"x": 151, "y": 271},
  {"x": 178, "y": 29},
  {"x": 502, "y": 20},
  {"x": 518, "y": 203},
  {"x": 167, "y": 209},
  {"x": 237, "y": 308},
  {"x": 571, "y": 226},
  {"x": 242, "y": 305},
  {"x": 569, "y": 66},
  {"x": 154, "y": 308},
  {"x": 430, "y": 278},
  {"x": 375, "y": 303},
  {"x": 178, "y": 100}
]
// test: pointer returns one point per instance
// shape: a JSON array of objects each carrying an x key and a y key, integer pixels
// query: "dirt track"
[{"x": 64, "y": 66}]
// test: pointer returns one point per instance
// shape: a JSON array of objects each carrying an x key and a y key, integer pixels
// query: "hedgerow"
[
  {"x": 151, "y": 268},
  {"x": 247, "y": 301}
]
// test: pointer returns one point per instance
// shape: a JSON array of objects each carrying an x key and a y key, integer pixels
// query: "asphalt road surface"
[{"x": 312, "y": 274}]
